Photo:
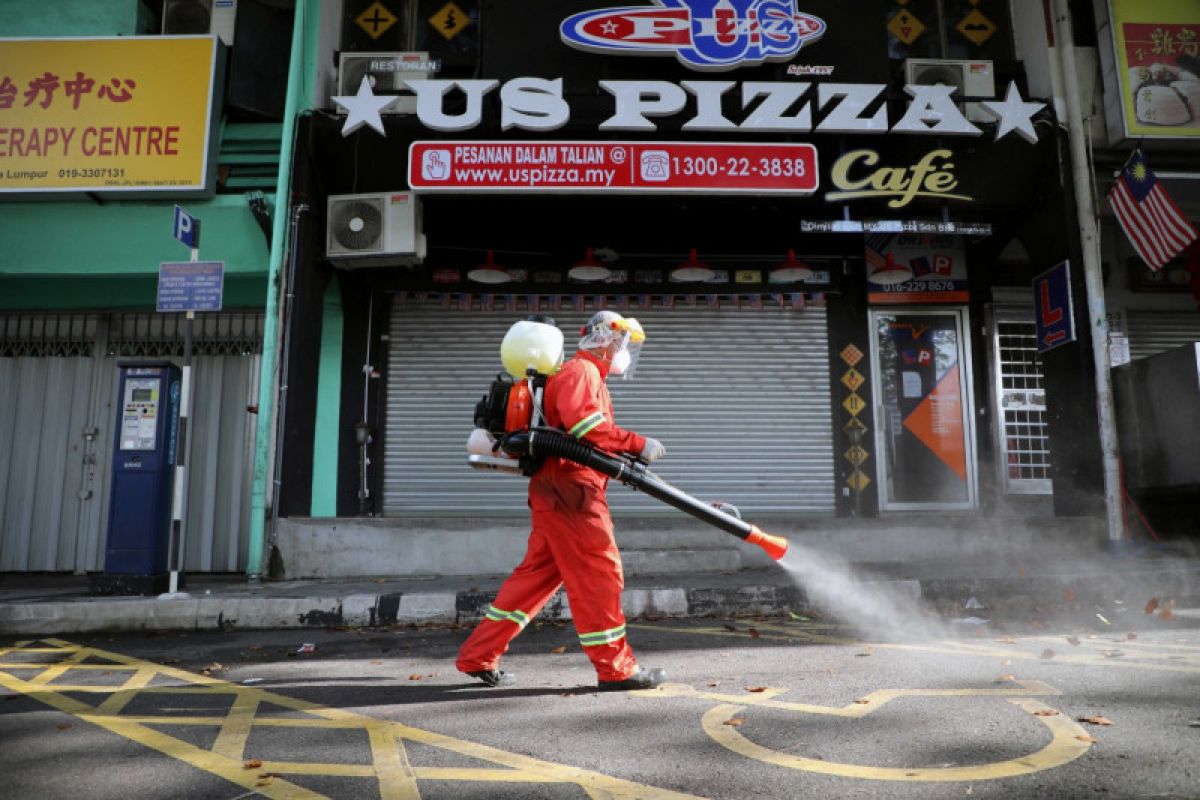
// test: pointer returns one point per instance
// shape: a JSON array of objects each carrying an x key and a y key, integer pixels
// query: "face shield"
[{"x": 621, "y": 337}]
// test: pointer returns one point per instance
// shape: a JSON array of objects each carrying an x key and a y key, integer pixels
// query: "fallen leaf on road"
[
  {"x": 1088, "y": 739},
  {"x": 1151, "y": 605},
  {"x": 869, "y": 652},
  {"x": 754, "y": 633},
  {"x": 253, "y": 763},
  {"x": 1073, "y": 641},
  {"x": 562, "y": 648},
  {"x": 1096, "y": 720},
  {"x": 862, "y": 702},
  {"x": 731, "y": 627},
  {"x": 263, "y": 781},
  {"x": 1005, "y": 678},
  {"x": 714, "y": 684},
  {"x": 1166, "y": 614},
  {"x": 734, "y": 722},
  {"x": 1069, "y": 595},
  {"x": 1131, "y": 636},
  {"x": 415, "y": 677},
  {"x": 756, "y": 689},
  {"x": 1046, "y": 712},
  {"x": 62, "y": 726},
  {"x": 1047, "y": 653}
]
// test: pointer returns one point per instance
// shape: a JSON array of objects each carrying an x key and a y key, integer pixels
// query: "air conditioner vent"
[
  {"x": 974, "y": 79},
  {"x": 386, "y": 73},
  {"x": 382, "y": 229},
  {"x": 191, "y": 17}
]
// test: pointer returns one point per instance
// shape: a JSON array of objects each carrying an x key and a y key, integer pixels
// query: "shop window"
[{"x": 950, "y": 29}]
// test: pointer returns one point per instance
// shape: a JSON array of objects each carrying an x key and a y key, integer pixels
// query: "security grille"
[
  {"x": 740, "y": 397},
  {"x": 1153, "y": 332},
  {"x": 158, "y": 335},
  {"x": 47, "y": 335},
  {"x": 1024, "y": 438}
]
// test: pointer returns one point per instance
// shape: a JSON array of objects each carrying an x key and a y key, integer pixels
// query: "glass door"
[{"x": 924, "y": 431}]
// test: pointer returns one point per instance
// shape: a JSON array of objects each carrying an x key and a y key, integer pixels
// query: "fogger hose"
[{"x": 548, "y": 442}]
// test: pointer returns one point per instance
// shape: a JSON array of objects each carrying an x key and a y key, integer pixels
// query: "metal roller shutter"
[
  {"x": 1153, "y": 332},
  {"x": 740, "y": 397}
]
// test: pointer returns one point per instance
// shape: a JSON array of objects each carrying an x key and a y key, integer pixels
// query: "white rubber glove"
[{"x": 653, "y": 450}]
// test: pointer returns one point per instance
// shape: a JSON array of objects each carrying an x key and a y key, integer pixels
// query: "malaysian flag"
[{"x": 1154, "y": 224}]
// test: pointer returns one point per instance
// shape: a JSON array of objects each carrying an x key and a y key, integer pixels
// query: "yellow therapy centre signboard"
[{"x": 105, "y": 115}]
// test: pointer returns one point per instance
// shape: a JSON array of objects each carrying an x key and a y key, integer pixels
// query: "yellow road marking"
[
  {"x": 1063, "y": 748},
  {"x": 398, "y": 779}
]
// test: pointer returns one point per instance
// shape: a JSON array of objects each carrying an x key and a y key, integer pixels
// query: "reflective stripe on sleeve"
[
  {"x": 587, "y": 424},
  {"x": 500, "y": 615},
  {"x": 602, "y": 637}
]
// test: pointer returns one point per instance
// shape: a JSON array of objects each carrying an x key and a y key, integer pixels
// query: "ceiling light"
[
  {"x": 489, "y": 272},
  {"x": 589, "y": 269},
  {"x": 692, "y": 271},
  {"x": 790, "y": 271}
]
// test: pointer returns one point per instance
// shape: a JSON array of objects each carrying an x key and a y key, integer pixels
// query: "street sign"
[
  {"x": 1052, "y": 301},
  {"x": 190, "y": 285},
  {"x": 186, "y": 229}
]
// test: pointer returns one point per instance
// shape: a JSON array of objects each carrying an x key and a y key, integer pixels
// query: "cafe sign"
[{"x": 858, "y": 175}]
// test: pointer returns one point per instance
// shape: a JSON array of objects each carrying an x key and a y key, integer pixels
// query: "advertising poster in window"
[
  {"x": 1157, "y": 46},
  {"x": 106, "y": 115},
  {"x": 915, "y": 268}
]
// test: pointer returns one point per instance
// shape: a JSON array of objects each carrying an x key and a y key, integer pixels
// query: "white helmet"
[{"x": 622, "y": 337}]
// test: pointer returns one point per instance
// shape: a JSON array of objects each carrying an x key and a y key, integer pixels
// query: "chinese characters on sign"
[
  {"x": 1158, "y": 58},
  {"x": 105, "y": 114}
]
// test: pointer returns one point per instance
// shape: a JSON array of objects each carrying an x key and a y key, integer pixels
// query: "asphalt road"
[{"x": 770, "y": 708}]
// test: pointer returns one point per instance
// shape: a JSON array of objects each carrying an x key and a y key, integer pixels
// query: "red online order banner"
[{"x": 617, "y": 167}]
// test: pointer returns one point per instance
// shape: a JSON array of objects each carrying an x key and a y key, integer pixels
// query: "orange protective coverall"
[{"x": 572, "y": 541}]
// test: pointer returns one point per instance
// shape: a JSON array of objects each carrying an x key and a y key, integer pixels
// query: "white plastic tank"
[{"x": 532, "y": 344}]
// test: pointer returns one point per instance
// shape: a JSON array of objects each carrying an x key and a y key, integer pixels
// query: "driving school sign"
[{"x": 106, "y": 115}]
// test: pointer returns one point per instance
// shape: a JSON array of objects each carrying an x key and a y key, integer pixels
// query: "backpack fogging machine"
[{"x": 511, "y": 436}]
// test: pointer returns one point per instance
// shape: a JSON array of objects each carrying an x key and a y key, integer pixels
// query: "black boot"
[
  {"x": 642, "y": 679},
  {"x": 494, "y": 677}
]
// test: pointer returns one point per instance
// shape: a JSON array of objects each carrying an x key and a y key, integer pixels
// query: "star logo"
[
  {"x": 1014, "y": 114},
  {"x": 364, "y": 108}
]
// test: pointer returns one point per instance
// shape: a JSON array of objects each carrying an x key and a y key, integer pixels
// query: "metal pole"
[
  {"x": 177, "y": 551},
  {"x": 1084, "y": 202}
]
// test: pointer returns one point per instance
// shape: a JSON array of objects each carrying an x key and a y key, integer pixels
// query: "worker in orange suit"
[{"x": 572, "y": 540}]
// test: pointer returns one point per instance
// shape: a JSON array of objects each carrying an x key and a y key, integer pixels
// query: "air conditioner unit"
[
  {"x": 386, "y": 73},
  {"x": 200, "y": 16},
  {"x": 970, "y": 78},
  {"x": 382, "y": 229}
]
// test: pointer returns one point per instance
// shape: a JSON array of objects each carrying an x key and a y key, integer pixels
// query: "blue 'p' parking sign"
[{"x": 186, "y": 229}]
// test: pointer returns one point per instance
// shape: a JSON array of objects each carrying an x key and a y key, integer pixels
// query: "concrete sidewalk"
[{"x": 1013, "y": 585}]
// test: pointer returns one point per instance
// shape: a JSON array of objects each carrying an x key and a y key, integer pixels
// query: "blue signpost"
[
  {"x": 187, "y": 286},
  {"x": 1052, "y": 302}
]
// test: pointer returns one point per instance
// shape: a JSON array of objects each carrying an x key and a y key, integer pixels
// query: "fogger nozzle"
[{"x": 775, "y": 546}]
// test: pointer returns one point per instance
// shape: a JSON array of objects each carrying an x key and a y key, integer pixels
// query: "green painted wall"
[
  {"x": 329, "y": 395},
  {"x": 73, "y": 18}
]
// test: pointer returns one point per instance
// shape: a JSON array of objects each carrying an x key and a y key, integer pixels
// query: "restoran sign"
[{"x": 106, "y": 115}]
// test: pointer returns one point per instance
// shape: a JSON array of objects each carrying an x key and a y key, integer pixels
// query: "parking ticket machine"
[{"x": 143, "y": 471}]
